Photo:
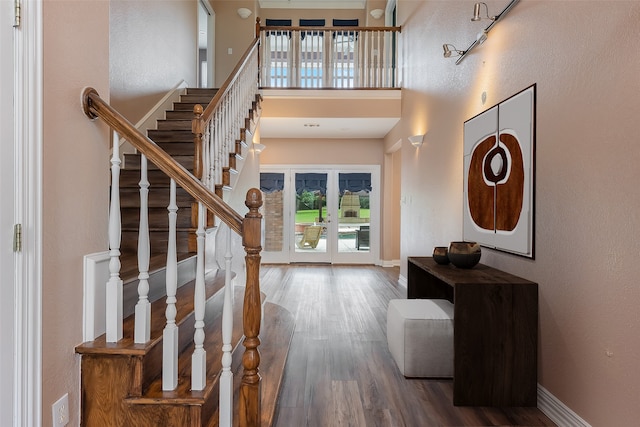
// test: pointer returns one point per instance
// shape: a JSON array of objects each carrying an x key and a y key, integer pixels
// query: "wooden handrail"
[
  {"x": 95, "y": 107},
  {"x": 226, "y": 86}
]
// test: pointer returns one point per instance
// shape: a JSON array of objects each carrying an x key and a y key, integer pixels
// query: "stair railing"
[
  {"x": 248, "y": 227},
  {"x": 219, "y": 131},
  {"x": 220, "y": 128}
]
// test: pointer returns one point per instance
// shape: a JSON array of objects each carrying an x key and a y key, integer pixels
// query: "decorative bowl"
[
  {"x": 440, "y": 255},
  {"x": 464, "y": 254}
]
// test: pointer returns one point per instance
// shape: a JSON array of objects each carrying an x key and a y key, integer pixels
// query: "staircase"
[{"x": 122, "y": 381}]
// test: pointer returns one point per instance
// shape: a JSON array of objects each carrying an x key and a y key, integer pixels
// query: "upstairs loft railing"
[
  {"x": 328, "y": 57},
  {"x": 217, "y": 134}
]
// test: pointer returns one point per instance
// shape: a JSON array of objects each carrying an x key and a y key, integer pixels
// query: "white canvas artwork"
[{"x": 499, "y": 154}]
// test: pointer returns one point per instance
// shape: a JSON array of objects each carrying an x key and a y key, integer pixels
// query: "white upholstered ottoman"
[{"x": 420, "y": 336}]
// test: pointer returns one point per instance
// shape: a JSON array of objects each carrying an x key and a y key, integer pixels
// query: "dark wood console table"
[{"x": 495, "y": 330}]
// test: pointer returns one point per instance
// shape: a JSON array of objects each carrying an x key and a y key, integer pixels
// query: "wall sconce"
[
  {"x": 377, "y": 13},
  {"x": 416, "y": 140},
  {"x": 448, "y": 51},
  {"x": 244, "y": 12},
  {"x": 476, "y": 13},
  {"x": 482, "y": 36},
  {"x": 258, "y": 148}
]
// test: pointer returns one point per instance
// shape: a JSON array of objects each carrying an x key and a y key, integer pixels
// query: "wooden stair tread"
[{"x": 214, "y": 281}]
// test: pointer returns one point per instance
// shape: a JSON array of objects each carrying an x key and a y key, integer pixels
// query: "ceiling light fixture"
[
  {"x": 482, "y": 36},
  {"x": 448, "y": 51},
  {"x": 416, "y": 140}
]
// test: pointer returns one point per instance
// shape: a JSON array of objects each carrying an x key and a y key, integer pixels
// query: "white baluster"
[
  {"x": 114, "y": 285},
  {"x": 143, "y": 307},
  {"x": 213, "y": 131},
  {"x": 226, "y": 377},
  {"x": 170, "y": 333},
  {"x": 199, "y": 357}
]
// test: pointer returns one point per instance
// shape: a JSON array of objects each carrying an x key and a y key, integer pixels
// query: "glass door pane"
[
  {"x": 311, "y": 223},
  {"x": 354, "y": 213}
]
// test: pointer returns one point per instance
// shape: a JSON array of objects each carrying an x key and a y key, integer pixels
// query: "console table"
[{"x": 495, "y": 330}]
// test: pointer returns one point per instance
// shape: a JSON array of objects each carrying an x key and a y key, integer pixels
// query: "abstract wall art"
[{"x": 499, "y": 175}]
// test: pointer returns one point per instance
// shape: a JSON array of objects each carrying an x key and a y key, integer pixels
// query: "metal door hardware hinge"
[
  {"x": 17, "y": 238},
  {"x": 16, "y": 18}
]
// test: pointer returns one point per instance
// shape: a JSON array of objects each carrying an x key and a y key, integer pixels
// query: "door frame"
[
  {"x": 288, "y": 238},
  {"x": 210, "y": 43},
  {"x": 26, "y": 195}
]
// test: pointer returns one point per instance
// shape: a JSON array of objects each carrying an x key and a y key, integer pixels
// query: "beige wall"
[
  {"x": 582, "y": 55},
  {"x": 76, "y": 54},
  {"x": 152, "y": 50},
  {"x": 231, "y": 32},
  {"x": 326, "y": 152}
]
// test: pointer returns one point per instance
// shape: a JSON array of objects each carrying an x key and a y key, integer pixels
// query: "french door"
[{"x": 327, "y": 214}]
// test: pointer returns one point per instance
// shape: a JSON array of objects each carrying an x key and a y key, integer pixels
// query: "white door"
[
  {"x": 7, "y": 216},
  {"x": 333, "y": 216}
]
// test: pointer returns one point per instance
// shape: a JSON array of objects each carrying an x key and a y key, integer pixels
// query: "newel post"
[{"x": 249, "y": 415}]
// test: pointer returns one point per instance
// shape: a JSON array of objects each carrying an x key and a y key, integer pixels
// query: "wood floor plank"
[{"x": 340, "y": 372}]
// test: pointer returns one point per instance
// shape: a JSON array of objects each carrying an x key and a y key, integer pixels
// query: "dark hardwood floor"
[{"x": 340, "y": 371}]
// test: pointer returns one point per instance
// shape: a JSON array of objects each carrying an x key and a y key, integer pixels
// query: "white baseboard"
[
  {"x": 390, "y": 263},
  {"x": 557, "y": 411}
]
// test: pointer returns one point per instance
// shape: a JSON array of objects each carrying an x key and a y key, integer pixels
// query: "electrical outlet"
[{"x": 60, "y": 411}]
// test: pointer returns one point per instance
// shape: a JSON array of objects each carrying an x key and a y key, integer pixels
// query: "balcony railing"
[{"x": 328, "y": 57}]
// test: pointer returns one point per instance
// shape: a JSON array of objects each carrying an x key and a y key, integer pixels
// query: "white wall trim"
[
  {"x": 28, "y": 106},
  {"x": 390, "y": 263},
  {"x": 557, "y": 411},
  {"x": 96, "y": 275}
]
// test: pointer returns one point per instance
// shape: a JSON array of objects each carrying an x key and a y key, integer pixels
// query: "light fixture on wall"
[
  {"x": 450, "y": 50},
  {"x": 244, "y": 12},
  {"x": 482, "y": 36},
  {"x": 416, "y": 140},
  {"x": 377, "y": 13},
  {"x": 258, "y": 148},
  {"x": 476, "y": 12}
]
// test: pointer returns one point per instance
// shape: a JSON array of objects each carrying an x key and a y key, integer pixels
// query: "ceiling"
[
  {"x": 323, "y": 128},
  {"x": 309, "y": 114}
]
